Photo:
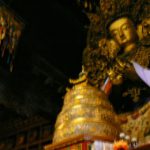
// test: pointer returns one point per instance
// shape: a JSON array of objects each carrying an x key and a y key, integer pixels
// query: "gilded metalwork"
[
  {"x": 128, "y": 24},
  {"x": 86, "y": 127},
  {"x": 118, "y": 34},
  {"x": 86, "y": 110},
  {"x": 130, "y": 33}
]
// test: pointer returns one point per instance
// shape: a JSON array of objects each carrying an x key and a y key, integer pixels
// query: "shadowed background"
[{"x": 48, "y": 54}]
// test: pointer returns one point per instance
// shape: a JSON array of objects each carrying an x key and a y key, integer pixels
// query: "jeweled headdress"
[{"x": 103, "y": 12}]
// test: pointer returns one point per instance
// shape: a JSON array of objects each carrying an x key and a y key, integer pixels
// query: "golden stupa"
[{"x": 86, "y": 111}]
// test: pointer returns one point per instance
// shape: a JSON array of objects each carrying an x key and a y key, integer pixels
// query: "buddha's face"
[{"x": 123, "y": 31}]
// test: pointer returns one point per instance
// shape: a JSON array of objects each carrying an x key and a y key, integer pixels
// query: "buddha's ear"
[
  {"x": 142, "y": 72},
  {"x": 139, "y": 31}
]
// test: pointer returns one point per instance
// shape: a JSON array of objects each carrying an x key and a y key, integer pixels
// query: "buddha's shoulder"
[{"x": 141, "y": 55}]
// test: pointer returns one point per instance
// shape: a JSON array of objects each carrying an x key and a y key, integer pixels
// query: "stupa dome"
[{"x": 86, "y": 110}]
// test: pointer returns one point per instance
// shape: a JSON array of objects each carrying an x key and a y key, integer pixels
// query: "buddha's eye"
[
  {"x": 125, "y": 27},
  {"x": 115, "y": 33},
  {"x": 145, "y": 25}
]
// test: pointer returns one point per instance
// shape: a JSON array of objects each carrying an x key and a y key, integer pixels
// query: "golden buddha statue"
[
  {"x": 108, "y": 56},
  {"x": 120, "y": 22},
  {"x": 119, "y": 26}
]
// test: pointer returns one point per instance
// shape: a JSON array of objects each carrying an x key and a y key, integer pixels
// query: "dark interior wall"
[{"x": 48, "y": 54}]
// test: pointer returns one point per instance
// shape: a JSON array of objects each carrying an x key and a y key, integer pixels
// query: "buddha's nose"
[{"x": 121, "y": 33}]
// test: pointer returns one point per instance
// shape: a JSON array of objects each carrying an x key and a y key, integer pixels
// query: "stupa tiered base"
[
  {"x": 86, "y": 110},
  {"x": 80, "y": 142}
]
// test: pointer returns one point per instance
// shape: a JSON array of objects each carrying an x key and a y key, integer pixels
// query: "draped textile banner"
[{"x": 11, "y": 27}]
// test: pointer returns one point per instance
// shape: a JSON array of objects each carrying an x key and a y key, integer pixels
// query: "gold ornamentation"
[
  {"x": 138, "y": 123},
  {"x": 86, "y": 110},
  {"x": 112, "y": 44},
  {"x": 82, "y": 77},
  {"x": 83, "y": 127},
  {"x": 114, "y": 61},
  {"x": 134, "y": 93},
  {"x": 126, "y": 22}
]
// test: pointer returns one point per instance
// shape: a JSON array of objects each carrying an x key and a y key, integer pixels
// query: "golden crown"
[{"x": 109, "y": 10}]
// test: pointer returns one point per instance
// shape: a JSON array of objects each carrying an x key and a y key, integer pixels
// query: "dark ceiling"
[
  {"x": 48, "y": 54},
  {"x": 54, "y": 30}
]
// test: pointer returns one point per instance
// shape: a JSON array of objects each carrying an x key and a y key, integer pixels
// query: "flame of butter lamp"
[{"x": 120, "y": 145}]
